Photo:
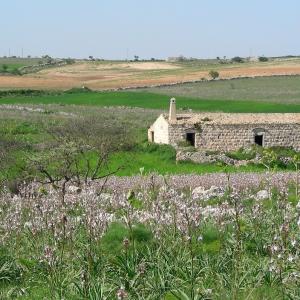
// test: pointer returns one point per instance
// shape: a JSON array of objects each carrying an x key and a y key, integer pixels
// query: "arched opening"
[
  {"x": 259, "y": 136},
  {"x": 259, "y": 139}
]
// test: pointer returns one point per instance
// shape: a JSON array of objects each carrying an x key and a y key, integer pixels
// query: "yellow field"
[{"x": 111, "y": 75}]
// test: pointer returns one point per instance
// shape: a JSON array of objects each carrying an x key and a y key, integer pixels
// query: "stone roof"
[{"x": 237, "y": 118}]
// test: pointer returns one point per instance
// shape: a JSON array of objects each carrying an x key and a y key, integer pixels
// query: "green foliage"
[
  {"x": 112, "y": 241},
  {"x": 237, "y": 59},
  {"x": 214, "y": 74},
  {"x": 113, "y": 238},
  {"x": 242, "y": 154},
  {"x": 10, "y": 271},
  {"x": 263, "y": 59},
  {"x": 4, "y": 68},
  {"x": 185, "y": 144}
]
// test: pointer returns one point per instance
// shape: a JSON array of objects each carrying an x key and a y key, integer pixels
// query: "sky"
[{"x": 120, "y": 29}]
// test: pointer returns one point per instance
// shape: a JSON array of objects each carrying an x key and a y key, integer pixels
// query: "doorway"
[
  {"x": 259, "y": 139},
  {"x": 152, "y": 136},
  {"x": 190, "y": 138}
]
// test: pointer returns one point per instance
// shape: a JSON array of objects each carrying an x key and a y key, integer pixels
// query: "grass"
[
  {"x": 16, "y": 63},
  {"x": 271, "y": 89},
  {"x": 161, "y": 159},
  {"x": 152, "y": 101}
]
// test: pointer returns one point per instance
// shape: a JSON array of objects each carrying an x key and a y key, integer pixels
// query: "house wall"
[
  {"x": 161, "y": 131},
  {"x": 230, "y": 137}
]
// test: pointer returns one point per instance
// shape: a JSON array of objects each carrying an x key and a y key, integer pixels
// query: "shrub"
[
  {"x": 263, "y": 59},
  {"x": 214, "y": 74},
  {"x": 237, "y": 59},
  {"x": 183, "y": 144},
  {"x": 241, "y": 154}
]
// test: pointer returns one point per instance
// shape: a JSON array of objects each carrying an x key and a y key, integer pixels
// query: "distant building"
[{"x": 224, "y": 131}]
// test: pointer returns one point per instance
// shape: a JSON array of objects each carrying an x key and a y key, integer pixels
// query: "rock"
[
  {"x": 262, "y": 195},
  {"x": 203, "y": 194},
  {"x": 74, "y": 189}
]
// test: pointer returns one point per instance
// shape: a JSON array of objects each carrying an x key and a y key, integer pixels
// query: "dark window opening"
[
  {"x": 152, "y": 136},
  {"x": 259, "y": 139},
  {"x": 190, "y": 138}
]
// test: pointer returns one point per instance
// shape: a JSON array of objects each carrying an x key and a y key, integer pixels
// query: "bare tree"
[{"x": 78, "y": 152}]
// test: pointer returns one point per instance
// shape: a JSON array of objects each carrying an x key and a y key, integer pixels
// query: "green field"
[
  {"x": 153, "y": 101},
  {"x": 137, "y": 110},
  {"x": 279, "y": 89},
  {"x": 16, "y": 63}
]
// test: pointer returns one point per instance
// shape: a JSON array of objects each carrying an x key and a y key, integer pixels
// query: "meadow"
[
  {"x": 90, "y": 210},
  {"x": 239, "y": 240}
]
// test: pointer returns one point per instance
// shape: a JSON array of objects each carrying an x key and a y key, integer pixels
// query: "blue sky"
[{"x": 153, "y": 28}]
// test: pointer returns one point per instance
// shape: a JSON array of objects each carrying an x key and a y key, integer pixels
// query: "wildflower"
[
  {"x": 121, "y": 294},
  {"x": 200, "y": 238},
  {"x": 126, "y": 243},
  {"x": 294, "y": 242},
  {"x": 142, "y": 268},
  {"x": 290, "y": 258}
]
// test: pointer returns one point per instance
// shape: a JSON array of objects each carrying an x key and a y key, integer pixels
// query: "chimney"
[{"x": 172, "y": 113}]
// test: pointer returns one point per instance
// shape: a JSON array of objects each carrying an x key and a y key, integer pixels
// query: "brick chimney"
[{"x": 172, "y": 113}]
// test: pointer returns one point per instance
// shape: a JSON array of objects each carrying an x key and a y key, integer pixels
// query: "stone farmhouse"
[{"x": 226, "y": 131}]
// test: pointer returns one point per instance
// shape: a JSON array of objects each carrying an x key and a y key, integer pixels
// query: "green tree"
[
  {"x": 237, "y": 59},
  {"x": 4, "y": 68},
  {"x": 214, "y": 74},
  {"x": 263, "y": 59}
]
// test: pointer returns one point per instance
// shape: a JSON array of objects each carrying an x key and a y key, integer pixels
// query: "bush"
[
  {"x": 183, "y": 144},
  {"x": 242, "y": 154},
  {"x": 237, "y": 59},
  {"x": 263, "y": 59},
  {"x": 214, "y": 74}
]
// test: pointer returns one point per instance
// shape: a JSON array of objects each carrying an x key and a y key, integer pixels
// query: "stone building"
[{"x": 226, "y": 131}]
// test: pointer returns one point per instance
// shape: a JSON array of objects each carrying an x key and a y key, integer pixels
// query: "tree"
[
  {"x": 4, "y": 68},
  {"x": 136, "y": 58},
  {"x": 237, "y": 59},
  {"x": 214, "y": 74},
  {"x": 263, "y": 59},
  {"x": 78, "y": 153},
  {"x": 69, "y": 61}
]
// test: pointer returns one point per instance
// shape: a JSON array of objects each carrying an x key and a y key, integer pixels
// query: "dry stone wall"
[{"x": 226, "y": 137}]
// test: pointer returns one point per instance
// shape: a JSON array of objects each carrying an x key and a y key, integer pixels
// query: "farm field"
[
  {"x": 282, "y": 89},
  {"x": 16, "y": 63},
  {"x": 119, "y": 74},
  {"x": 149, "y": 100}
]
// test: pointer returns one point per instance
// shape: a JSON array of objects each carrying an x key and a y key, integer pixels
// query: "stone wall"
[{"x": 228, "y": 137}]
